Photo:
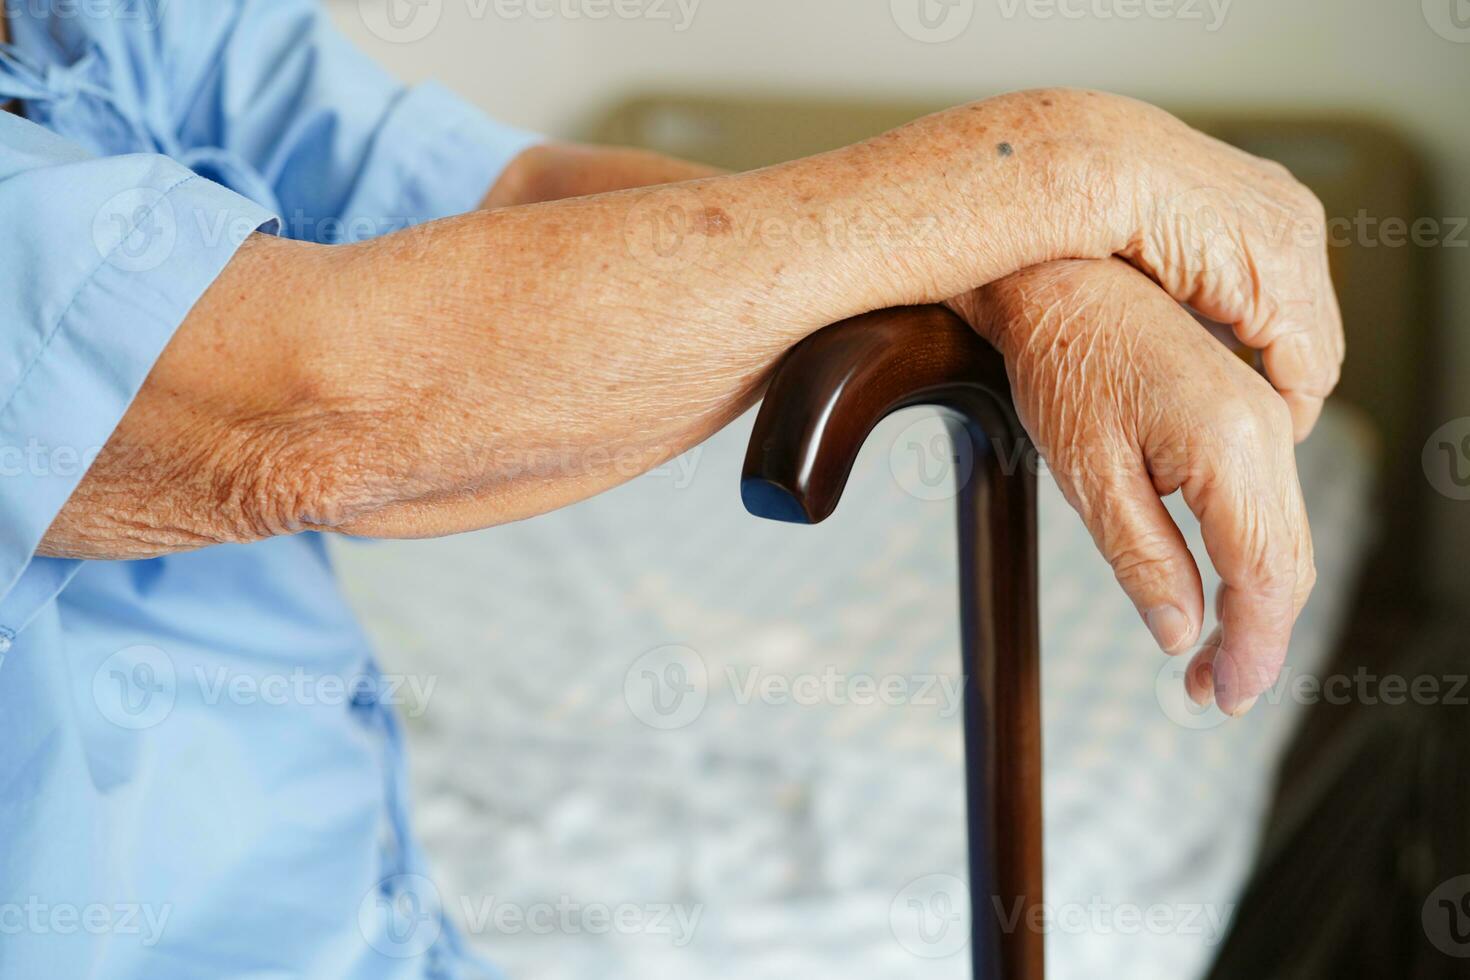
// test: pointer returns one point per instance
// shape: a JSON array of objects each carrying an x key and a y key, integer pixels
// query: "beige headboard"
[{"x": 1356, "y": 167}]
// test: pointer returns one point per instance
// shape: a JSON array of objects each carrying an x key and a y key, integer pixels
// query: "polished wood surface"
[{"x": 824, "y": 399}]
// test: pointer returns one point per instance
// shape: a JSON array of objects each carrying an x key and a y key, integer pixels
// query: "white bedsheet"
[{"x": 786, "y": 831}]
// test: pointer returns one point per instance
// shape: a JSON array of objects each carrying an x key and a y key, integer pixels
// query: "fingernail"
[
  {"x": 1206, "y": 692},
  {"x": 1170, "y": 628},
  {"x": 1228, "y": 688}
]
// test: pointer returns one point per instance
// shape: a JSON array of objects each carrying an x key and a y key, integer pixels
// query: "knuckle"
[
  {"x": 1312, "y": 205},
  {"x": 1245, "y": 422},
  {"x": 1306, "y": 574},
  {"x": 1274, "y": 574},
  {"x": 1141, "y": 562},
  {"x": 1306, "y": 579},
  {"x": 1268, "y": 566},
  {"x": 1334, "y": 377},
  {"x": 1277, "y": 170},
  {"x": 1275, "y": 415},
  {"x": 1302, "y": 199}
]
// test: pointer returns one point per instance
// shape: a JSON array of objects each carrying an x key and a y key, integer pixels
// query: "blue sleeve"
[
  {"x": 348, "y": 152},
  {"x": 101, "y": 259}
]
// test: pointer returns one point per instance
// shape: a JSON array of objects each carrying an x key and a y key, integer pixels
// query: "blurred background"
[{"x": 657, "y": 737}]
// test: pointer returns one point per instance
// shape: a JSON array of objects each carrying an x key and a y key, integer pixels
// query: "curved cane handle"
[{"x": 824, "y": 399}]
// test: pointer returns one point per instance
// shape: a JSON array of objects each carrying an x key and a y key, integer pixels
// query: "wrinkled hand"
[
  {"x": 1129, "y": 400},
  {"x": 1242, "y": 241},
  {"x": 1233, "y": 235}
]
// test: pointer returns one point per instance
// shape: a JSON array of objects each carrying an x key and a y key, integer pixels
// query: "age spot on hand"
[{"x": 716, "y": 222}]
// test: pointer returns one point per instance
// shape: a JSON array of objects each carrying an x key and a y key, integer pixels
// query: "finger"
[
  {"x": 1149, "y": 556},
  {"x": 1284, "y": 305},
  {"x": 1255, "y": 532},
  {"x": 1303, "y": 344},
  {"x": 1199, "y": 682},
  {"x": 1305, "y": 411},
  {"x": 1304, "y": 365}
]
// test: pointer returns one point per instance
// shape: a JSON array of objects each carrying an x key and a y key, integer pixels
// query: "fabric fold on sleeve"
[{"x": 101, "y": 261}]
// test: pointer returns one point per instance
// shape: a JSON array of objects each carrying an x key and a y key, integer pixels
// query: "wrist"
[
  {"x": 1083, "y": 195},
  {"x": 1004, "y": 184}
]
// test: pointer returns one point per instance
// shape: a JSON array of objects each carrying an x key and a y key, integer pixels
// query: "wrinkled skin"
[
  {"x": 1242, "y": 241},
  {"x": 1130, "y": 399},
  {"x": 591, "y": 343}
]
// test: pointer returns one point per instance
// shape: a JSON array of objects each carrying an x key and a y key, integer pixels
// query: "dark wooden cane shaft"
[{"x": 824, "y": 398}]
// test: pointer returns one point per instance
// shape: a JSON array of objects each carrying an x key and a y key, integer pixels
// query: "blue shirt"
[{"x": 200, "y": 770}]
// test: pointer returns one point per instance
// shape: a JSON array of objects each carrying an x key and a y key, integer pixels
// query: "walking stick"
[{"x": 823, "y": 400}]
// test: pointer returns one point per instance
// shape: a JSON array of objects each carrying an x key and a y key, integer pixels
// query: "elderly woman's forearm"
[
  {"x": 569, "y": 347},
  {"x": 503, "y": 363}
]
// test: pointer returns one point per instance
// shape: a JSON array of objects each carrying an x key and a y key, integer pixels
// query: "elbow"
[{"x": 323, "y": 470}]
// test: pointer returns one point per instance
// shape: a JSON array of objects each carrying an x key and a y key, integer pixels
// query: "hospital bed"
[{"x": 797, "y": 812}]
